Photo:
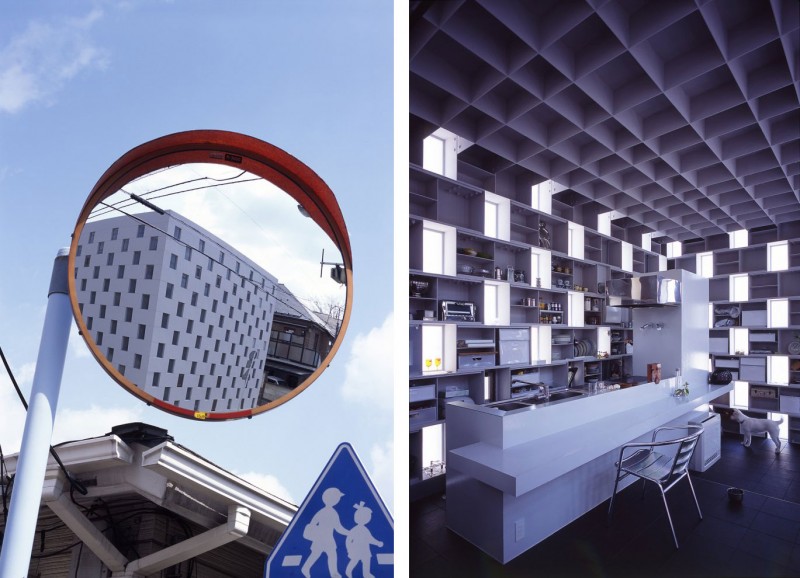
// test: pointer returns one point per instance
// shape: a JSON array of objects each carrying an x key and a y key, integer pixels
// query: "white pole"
[{"x": 27, "y": 490}]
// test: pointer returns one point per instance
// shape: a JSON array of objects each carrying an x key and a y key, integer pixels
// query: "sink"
[
  {"x": 565, "y": 395},
  {"x": 509, "y": 405}
]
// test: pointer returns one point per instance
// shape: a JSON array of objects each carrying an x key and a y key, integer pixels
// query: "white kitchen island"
[{"x": 515, "y": 477}]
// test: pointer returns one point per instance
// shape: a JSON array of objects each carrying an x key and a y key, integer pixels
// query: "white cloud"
[
  {"x": 382, "y": 472},
  {"x": 13, "y": 421},
  {"x": 268, "y": 483},
  {"x": 35, "y": 64},
  {"x": 367, "y": 380},
  {"x": 77, "y": 424},
  {"x": 77, "y": 346}
]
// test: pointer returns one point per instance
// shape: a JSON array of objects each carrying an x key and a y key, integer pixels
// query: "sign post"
[{"x": 341, "y": 529}]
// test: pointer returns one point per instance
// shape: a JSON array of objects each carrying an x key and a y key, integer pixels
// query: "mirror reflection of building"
[{"x": 183, "y": 315}]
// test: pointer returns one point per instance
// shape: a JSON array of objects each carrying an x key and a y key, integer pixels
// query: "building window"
[
  {"x": 106, "y": 284},
  {"x": 170, "y": 366},
  {"x": 129, "y": 314},
  {"x": 99, "y": 338},
  {"x": 674, "y": 249},
  {"x": 125, "y": 244},
  {"x": 194, "y": 299},
  {"x": 110, "y": 259},
  {"x": 125, "y": 341},
  {"x": 173, "y": 261},
  {"x": 137, "y": 361},
  {"x": 433, "y": 154},
  {"x": 78, "y": 252},
  {"x": 201, "y": 246},
  {"x": 132, "y": 286},
  {"x": 433, "y": 251},
  {"x": 738, "y": 239},
  {"x": 778, "y": 256},
  {"x": 120, "y": 271},
  {"x": 117, "y": 298},
  {"x": 91, "y": 237},
  {"x": 705, "y": 264},
  {"x": 92, "y": 297},
  {"x": 140, "y": 231},
  {"x": 164, "y": 320},
  {"x": 210, "y": 266},
  {"x": 206, "y": 289},
  {"x": 154, "y": 242},
  {"x": 198, "y": 272},
  {"x": 184, "y": 280},
  {"x": 187, "y": 253},
  {"x": 145, "y": 301},
  {"x": 739, "y": 287},
  {"x": 180, "y": 309},
  {"x": 156, "y": 378},
  {"x": 113, "y": 327},
  {"x": 87, "y": 261},
  {"x": 148, "y": 271},
  {"x": 136, "y": 256},
  {"x": 141, "y": 331},
  {"x": 114, "y": 233},
  {"x": 160, "y": 350},
  {"x": 100, "y": 247},
  {"x": 177, "y": 233},
  {"x": 170, "y": 288},
  {"x": 777, "y": 313}
]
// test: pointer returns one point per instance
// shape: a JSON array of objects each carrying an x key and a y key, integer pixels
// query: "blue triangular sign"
[{"x": 342, "y": 528}]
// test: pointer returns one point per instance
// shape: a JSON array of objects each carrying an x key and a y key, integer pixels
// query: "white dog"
[{"x": 749, "y": 426}]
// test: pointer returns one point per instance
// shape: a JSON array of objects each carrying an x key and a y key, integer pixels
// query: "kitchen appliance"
[
  {"x": 707, "y": 451},
  {"x": 646, "y": 291},
  {"x": 457, "y": 310},
  {"x": 418, "y": 288}
]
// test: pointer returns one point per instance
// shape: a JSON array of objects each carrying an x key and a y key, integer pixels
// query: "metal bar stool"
[{"x": 643, "y": 461}]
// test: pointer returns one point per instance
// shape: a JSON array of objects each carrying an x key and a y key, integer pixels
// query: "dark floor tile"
[
  {"x": 783, "y": 508},
  {"x": 774, "y": 526},
  {"x": 770, "y": 549},
  {"x": 759, "y": 537}
]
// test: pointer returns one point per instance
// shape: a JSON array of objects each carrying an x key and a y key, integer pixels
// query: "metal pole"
[{"x": 27, "y": 493}]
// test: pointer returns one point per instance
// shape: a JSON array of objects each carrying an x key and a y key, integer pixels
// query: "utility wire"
[{"x": 74, "y": 483}]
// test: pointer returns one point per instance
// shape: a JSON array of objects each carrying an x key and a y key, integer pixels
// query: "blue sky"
[{"x": 83, "y": 82}]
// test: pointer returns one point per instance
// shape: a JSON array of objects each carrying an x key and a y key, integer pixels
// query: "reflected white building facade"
[{"x": 176, "y": 310}]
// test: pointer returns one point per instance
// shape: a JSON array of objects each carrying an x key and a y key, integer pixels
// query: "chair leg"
[
  {"x": 669, "y": 518},
  {"x": 611, "y": 503},
  {"x": 696, "y": 503}
]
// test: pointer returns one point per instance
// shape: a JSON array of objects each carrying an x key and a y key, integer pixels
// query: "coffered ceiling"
[{"x": 683, "y": 115}]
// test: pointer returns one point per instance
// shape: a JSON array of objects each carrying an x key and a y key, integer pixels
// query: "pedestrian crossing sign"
[{"x": 341, "y": 529}]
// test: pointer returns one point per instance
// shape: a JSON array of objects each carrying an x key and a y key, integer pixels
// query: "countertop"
[{"x": 520, "y": 450}]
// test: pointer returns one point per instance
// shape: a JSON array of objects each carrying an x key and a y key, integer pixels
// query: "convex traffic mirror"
[{"x": 211, "y": 274}]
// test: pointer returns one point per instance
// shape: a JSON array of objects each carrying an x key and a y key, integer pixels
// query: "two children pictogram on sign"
[{"x": 321, "y": 530}]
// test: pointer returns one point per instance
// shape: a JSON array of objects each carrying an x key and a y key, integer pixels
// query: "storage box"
[
  {"x": 522, "y": 334},
  {"x": 769, "y": 337},
  {"x": 515, "y": 352},
  {"x": 727, "y": 363},
  {"x": 453, "y": 390},
  {"x": 421, "y": 392},
  {"x": 754, "y": 318},
  {"x": 751, "y": 369},
  {"x": 718, "y": 345},
  {"x": 466, "y": 360},
  {"x": 421, "y": 416},
  {"x": 790, "y": 404}
]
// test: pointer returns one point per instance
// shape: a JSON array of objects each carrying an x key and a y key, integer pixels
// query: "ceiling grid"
[{"x": 682, "y": 115}]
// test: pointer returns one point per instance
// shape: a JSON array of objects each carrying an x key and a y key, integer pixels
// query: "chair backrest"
[{"x": 684, "y": 454}]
